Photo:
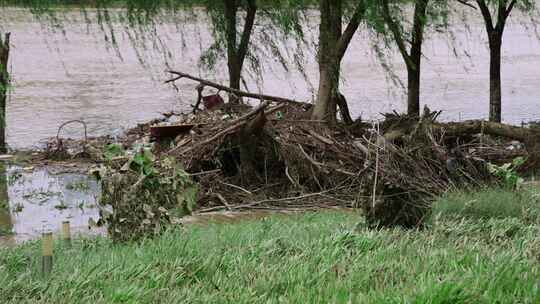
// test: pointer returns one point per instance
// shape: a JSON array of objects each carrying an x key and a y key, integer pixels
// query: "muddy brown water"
[
  {"x": 76, "y": 76},
  {"x": 36, "y": 200},
  {"x": 59, "y": 77}
]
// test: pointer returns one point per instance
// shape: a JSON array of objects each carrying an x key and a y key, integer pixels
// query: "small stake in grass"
[
  {"x": 47, "y": 254},
  {"x": 66, "y": 233}
]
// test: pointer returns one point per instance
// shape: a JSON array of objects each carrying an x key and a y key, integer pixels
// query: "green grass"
[
  {"x": 491, "y": 203},
  {"x": 467, "y": 255}
]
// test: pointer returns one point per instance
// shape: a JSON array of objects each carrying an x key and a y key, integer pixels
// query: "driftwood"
[
  {"x": 490, "y": 128},
  {"x": 239, "y": 93},
  {"x": 469, "y": 128}
]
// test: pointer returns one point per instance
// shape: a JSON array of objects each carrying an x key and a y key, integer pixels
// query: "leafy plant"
[
  {"x": 113, "y": 150},
  {"x": 6, "y": 231},
  {"x": 143, "y": 162},
  {"x": 145, "y": 196},
  {"x": 508, "y": 172}
]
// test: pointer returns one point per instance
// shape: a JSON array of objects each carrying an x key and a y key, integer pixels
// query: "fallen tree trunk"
[
  {"x": 489, "y": 128},
  {"x": 469, "y": 128}
]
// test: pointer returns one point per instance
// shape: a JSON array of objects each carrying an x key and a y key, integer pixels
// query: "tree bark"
[
  {"x": 329, "y": 34},
  {"x": 413, "y": 91},
  {"x": 333, "y": 44},
  {"x": 495, "y": 33},
  {"x": 4, "y": 83},
  {"x": 231, "y": 9},
  {"x": 344, "y": 109},
  {"x": 414, "y": 64},
  {"x": 413, "y": 59},
  {"x": 495, "y": 96}
]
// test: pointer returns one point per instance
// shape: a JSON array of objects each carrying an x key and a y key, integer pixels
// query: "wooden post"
[
  {"x": 47, "y": 254},
  {"x": 66, "y": 233},
  {"x": 4, "y": 83}
]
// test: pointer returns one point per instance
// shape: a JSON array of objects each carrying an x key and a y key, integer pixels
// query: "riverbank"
[{"x": 482, "y": 247}]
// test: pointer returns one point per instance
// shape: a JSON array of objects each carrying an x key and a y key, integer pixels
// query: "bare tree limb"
[
  {"x": 248, "y": 29},
  {"x": 466, "y": 3},
  {"x": 351, "y": 29},
  {"x": 239, "y": 93},
  {"x": 396, "y": 32},
  {"x": 486, "y": 14}
]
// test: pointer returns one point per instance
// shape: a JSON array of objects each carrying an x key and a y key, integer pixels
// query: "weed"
[
  {"x": 61, "y": 205},
  {"x": 508, "y": 173},
  {"x": 17, "y": 207},
  {"x": 78, "y": 186}
]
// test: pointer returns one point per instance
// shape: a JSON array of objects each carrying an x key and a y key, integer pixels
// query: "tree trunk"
[
  {"x": 413, "y": 59},
  {"x": 344, "y": 109},
  {"x": 495, "y": 34},
  {"x": 236, "y": 54},
  {"x": 414, "y": 64},
  {"x": 329, "y": 61},
  {"x": 231, "y": 10},
  {"x": 495, "y": 98},
  {"x": 4, "y": 83},
  {"x": 413, "y": 91},
  {"x": 235, "y": 74}
]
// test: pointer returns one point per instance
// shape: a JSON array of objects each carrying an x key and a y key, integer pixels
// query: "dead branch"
[
  {"x": 258, "y": 203},
  {"x": 236, "y": 92},
  {"x": 491, "y": 128},
  {"x": 70, "y": 122},
  {"x": 223, "y": 201},
  {"x": 236, "y": 187}
]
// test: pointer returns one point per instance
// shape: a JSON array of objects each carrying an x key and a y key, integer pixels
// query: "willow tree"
[
  {"x": 236, "y": 52},
  {"x": 403, "y": 23},
  {"x": 333, "y": 44},
  {"x": 413, "y": 55},
  {"x": 495, "y": 14},
  {"x": 232, "y": 24}
]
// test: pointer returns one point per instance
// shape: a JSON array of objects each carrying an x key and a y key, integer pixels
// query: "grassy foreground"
[{"x": 479, "y": 248}]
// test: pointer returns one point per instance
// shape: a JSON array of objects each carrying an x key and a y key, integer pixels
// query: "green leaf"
[
  {"x": 518, "y": 161},
  {"x": 113, "y": 150}
]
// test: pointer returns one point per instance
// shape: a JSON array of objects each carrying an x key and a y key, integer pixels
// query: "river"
[{"x": 75, "y": 76}]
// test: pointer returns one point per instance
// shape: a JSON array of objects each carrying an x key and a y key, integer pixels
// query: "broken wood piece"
[
  {"x": 158, "y": 132},
  {"x": 236, "y": 187},
  {"x": 223, "y": 201},
  {"x": 320, "y": 137},
  {"x": 216, "y": 171},
  {"x": 486, "y": 127},
  {"x": 200, "y": 89},
  {"x": 6, "y": 156}
]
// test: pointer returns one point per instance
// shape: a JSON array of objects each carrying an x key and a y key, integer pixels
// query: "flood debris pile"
[
  {"x": 414, "y": 162},
  {"x": 272, "y": 156}
]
